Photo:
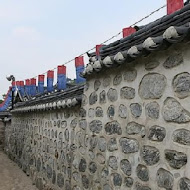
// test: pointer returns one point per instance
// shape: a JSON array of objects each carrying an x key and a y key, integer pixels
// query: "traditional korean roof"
[
  {"x": 55, "y": 100},
  {"x": 158, "y": 35},
  {"x": 5, "y": 114}
]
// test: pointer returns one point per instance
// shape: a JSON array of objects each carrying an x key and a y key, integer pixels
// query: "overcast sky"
[{"x": 38, "y": 35}]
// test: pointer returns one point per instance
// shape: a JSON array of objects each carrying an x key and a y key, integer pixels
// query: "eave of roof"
[
  {"x": 158, "y": 35},
  {"x": 4, "y": 114},
  {"x": 56, "y": 100}
]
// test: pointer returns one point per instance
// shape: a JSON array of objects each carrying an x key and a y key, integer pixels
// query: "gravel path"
[{"x": 12, "y": 177}]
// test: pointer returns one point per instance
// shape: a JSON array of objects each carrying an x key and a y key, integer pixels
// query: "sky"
[{"x": 39, "y": 35}]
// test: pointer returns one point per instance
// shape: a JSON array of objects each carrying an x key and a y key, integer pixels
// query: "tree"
[{"x": 4, "y": 96}]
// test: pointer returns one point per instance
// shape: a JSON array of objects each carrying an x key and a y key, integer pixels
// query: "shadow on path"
[{"x": 12, "y": 177}]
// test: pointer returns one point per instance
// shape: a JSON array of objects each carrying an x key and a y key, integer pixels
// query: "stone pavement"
[{"x": 12, "y": 177}]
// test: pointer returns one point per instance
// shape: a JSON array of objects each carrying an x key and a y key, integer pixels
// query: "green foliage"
[{"x": 4, "y": 96}]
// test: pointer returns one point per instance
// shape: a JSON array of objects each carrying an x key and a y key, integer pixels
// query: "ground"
[{"x": 12, "y": 177}]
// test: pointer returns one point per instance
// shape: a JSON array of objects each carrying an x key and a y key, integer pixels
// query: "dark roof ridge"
[
  {"x": 67, "y": 98},
  {"x": 153, "y": 29},
  {"x": 172, "y": 35}
]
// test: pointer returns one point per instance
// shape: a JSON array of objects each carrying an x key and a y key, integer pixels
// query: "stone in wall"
[
  {"x": 184, "y": 183},
  {"x": 80, "y": 138},
  {"x": 142, "y": 172},
  {"x": 112, "y": 145},
  {"x": 111, "y": 111},
  {"x": 174, "y": 112},
  {"x": 91, "y": 113},
  {"x": 63, "y": 124},
  {"x": 122, "y": 112},
  {"x": 60, "y": 180},
  {"x": 85, "y": 182},
  {"x": 76, "y": 176},
  {"x": 142, "y": 187},
  {"x": 128, "y": 181},
  {"x": 83, "y": 124},
  {"x": 86, "y": 86},
  {"x": 52, "y": 133},
  {"x": 39, "y": 183},
  {"x": 76, "y": 187},
  {"x": 165, "y": 179},
  {"x": 112, "y": 128},
  {"x": 150, "y": 155},
  {"x": 82, "y": 112},
  {"x": 58, "y": 123},
  {"x": 130, "y": 75},
  {"x": 99, "y": 112},
  {"x": 175, "y": 159},
  {"x": 67, "y": 114},
  {"x": 112, "y": 95},
  {"x": 82, "y": 150},
  {"x": 173, "y": 60},
  {"x": 69, "y": 160},
  {"x": 60, "y": 136},
  {"x": 105, "y": 173},
  {"x": 84, "y": 100},
  {"x": 102, "y": 98},
  {"x": 117, "y": 179},
  {"x": 93, "y": 142},
  {"x": 126, "y": 167},
  {"x": 92, "y": 167},
  {"x": 134, "y": 128},
  {"x": 100, "y": 158},
  {"x": 152, "y": 110},
  {"x": 92, "y": 155},
  {"x": 96, "y": 126},
  {"x": 82, "y": 165},
  {"x": 38, "y": 165},
  {"x": 127, "y": 93},
  {"x": 151, "y": 64},
  {"x": 106, "y": 81},
  {"x": 97, "y": 84},
  {"x": 181, "y": 85},
  {"x": 67, "y": 185},
  {"x": 86, "y": 140},
  {"x": 102, "y": 144},
  {"x": 107, "y": 187},
  {"x": 112, "y": 162},
  {"x": 117, "y": 79},
  {"x": 152, "y": 86},
  {"x": 129, "y": 145},
  {"x": 182, "y": 136},
  {"x": 157, "y": 133},
  {"x": 136, "y": 110},
  {"x": 49, "y": 172},
  {"x": 66, "y": 134},
  {"x": 93, "y": 98}
]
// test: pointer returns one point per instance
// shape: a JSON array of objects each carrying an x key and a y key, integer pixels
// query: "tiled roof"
[
  {"x": 4, "y": 114},
  {"x": 157, "y": 35},
  {"x": 56, "y": 100}
]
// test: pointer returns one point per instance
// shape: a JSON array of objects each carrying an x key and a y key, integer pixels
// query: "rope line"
[{"x": 109, "y": 39}]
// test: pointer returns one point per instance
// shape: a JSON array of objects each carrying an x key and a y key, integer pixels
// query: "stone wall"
[
  {"x": 2, "y": 135},
  {"x": 131, "y": 132},
  {"x": 42, "y": 144}
]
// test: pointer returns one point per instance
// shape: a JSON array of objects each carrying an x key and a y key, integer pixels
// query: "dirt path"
[{"x": 12, "y": 177}]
